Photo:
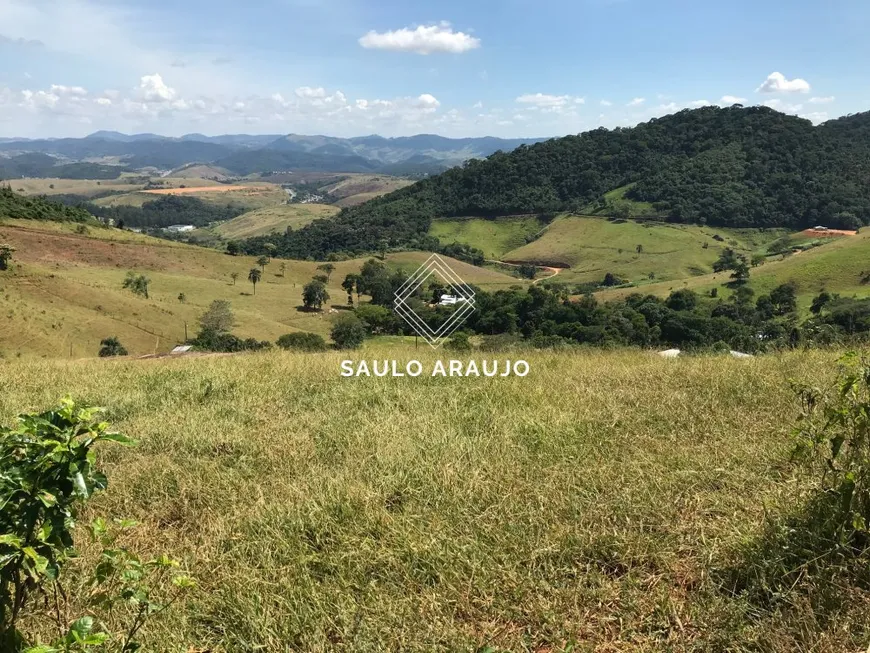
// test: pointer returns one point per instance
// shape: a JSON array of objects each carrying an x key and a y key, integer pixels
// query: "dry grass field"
[
  {"x": 609, "y": 501},
  {"x": 63, "y": 294}
]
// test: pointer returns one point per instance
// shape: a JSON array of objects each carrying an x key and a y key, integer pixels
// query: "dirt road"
[{"x": 553, "y": 271}]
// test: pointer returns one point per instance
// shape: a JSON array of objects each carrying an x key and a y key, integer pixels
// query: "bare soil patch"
[{"x": 828, "y": 233}]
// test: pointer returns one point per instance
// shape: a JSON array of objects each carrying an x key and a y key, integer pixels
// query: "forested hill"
[
  {"x": 732, "y": 167},
  {"x": 741, "y": 167},
  {"x": 13, "y": 205}
]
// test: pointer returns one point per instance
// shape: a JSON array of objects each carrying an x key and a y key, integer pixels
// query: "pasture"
[{"x": 609, "y": 501}]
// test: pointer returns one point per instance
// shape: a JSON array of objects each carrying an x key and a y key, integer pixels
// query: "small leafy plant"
[
  {"x": 833, "y": 438},
  {"x": 47, "y": 473}
]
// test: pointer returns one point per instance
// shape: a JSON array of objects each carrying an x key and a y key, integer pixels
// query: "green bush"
[
  {"x": 833, "y": 439},
  {"x": 348, "y": 332},
  {"x": 47, "y": 473},
  {"x": 302, "y": 342},
  {"x": 111, "y": 347}
]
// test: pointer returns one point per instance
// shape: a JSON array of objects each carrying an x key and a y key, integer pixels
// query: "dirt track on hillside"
[{"x": 828, "y": 233}]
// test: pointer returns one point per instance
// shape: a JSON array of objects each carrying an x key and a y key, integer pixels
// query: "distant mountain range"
[{"x": 245, "y": 154}]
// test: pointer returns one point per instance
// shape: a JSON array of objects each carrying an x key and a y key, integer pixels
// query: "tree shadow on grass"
[{"x": 802, "y": 564}]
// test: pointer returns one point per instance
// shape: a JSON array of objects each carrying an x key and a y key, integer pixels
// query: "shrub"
[
  {"x": 111, "y": 347},
  {"x": 348, "y": 332},
  {"x": 48, "y": 474},
  {"x": 302, "y": 342},
  {"x": 458, "y": 342},
  {"x": 210, "y": 340},
  {"x": 833, "y": 439}
]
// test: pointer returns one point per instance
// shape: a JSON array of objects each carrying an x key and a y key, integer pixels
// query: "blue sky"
[{"x": 470, "y": 68}]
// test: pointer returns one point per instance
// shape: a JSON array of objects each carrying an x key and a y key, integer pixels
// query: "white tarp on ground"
[{"x": 740, "y": 354}]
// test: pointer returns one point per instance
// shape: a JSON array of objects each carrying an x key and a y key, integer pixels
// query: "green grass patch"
[{"x": 494, "y": 237}]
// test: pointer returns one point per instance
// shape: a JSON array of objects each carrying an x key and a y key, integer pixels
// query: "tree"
[
  {"x": 639, "y": 249},
  {"x": 111, "y": 347},
  {"x": 234, "y": 276},
  {"x": 527, "y": 271},
  {"x": 820, "y": 301},
  {"x": 233, "y": 248},
  {"x": 348, "y": 332},
  {"x": 270, "y": 249},
  {"x": 350, "y": 282},
  {"x": 137, "y": 283},
  {"x": 314, "y": 294},
  {"x": 218, "y": 318},
  {"x": 254, "y": 277},
  {"x": 328, "y": 268},
  {"x": 182, "y": 297},
  {"x": 740, "y": 270},
  {"x": 263, "y": 261},
  {"x": 283, "y": 268},
  {"x": 682, "y": 300},
  {"x": 5, "y": 255},
  {"x": 758, "y": 259},
  {"x": 784, "y": 299}
]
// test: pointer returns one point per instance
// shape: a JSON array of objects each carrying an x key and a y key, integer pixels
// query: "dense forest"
[
  {"x": 13, "y": 205},
  {"x": 730, "y": 167},
  {"x": 166, "y": 211}
]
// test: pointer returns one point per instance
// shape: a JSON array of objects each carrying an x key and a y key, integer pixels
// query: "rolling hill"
[
  {"x": 63, "y": 292},
  {"x": 273, "y": 219},
  {"x": 733, "y": 167}
]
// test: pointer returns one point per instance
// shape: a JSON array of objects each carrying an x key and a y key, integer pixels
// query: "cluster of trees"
[
  {"x": 166, "y": 211},
  {"x": 14, "y": 205},
  {"x": 215, "y": 332},
  {"x": 736, "y": 167}
]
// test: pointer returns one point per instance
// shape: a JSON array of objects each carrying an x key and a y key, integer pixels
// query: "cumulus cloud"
[
  {"x": 308, "y": 92},
  {"x": 728, "y": 100},
  {"x": 606, "y": 103},
  {"x": 152, "y": 88},
  {"x": 822, "y": 100},
  {"x": 777, "y": 83},
  {"x": 425, "y": 39},
  {"x": 697, "y": 104},
  {"x": 636, "y": 102}
]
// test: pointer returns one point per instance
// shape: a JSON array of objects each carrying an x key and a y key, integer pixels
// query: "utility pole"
[{"x": 185, "y": 332}]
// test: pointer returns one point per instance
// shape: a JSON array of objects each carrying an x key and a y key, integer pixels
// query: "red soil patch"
[
  {"x": 58, "y": 249},
  {"x": 203, "y": 189},
  {"x": 828, "y": 233}
]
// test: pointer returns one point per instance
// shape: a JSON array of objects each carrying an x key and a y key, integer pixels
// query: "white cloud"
[
  {"x": 670, "y": 107},
  {"x": 477, "y": 105},
  {"x": 425, "y": 39},
  {"x": 308, "y": 92},
  {"x": 153, "y": 89},
  {"x": 68, "y": 90},
  {"x": 544, "y": 100},
  {"x": 103, "y": 101},
  {"x": 784, "y": 107},
  {"x": 606, "y": 103},
  {"x": 699, "y": 103},
  {"x": 822, "y": 100},
  {"x": 636, "y": 102},
  {"x": 728, "y": 100},
  {"x": 815, "y": 116},
  {"x": 777, "y": 83}
]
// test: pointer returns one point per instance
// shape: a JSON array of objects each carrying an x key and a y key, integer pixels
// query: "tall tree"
[
  {"x": 254, "y": 277},
  {"x": 137, "y": 283},
  {"x": 263, "y": 261},
  {"x": 218, "y": 318},
  {"x": 5, "y": 255}
]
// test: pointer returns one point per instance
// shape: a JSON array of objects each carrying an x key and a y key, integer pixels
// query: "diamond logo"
[{"x": 461, "y": 297}]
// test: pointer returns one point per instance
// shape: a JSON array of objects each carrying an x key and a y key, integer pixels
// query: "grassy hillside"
[
  {"x": 273, "y": 219},
  {"x": 64, "y": 290},
  {"x": 493, "y": 237},
  {"x": 252, "y": 196},
  {"x": 841, "y": 265},
  {"x": 591, "y": 247},
  {"x": 356, "y": 189},
  {"x": 644, "y": 509}
]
